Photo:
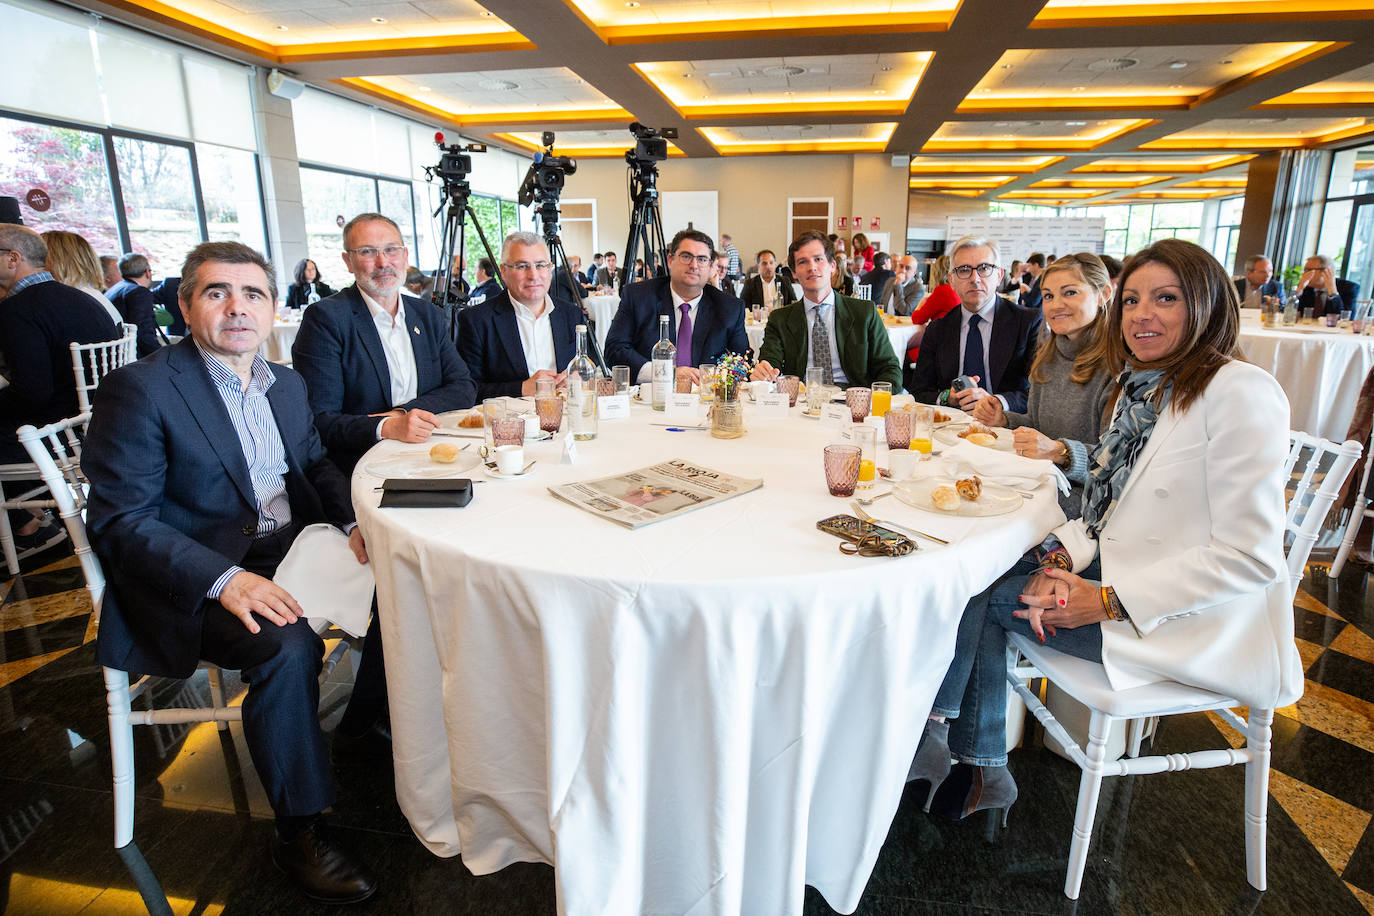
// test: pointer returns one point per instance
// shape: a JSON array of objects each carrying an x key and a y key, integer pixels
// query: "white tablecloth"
[
  {"x": 701, "y": 716},
  {"x": 1321, "y": 372},
  {"x": 898, "y": 335},
  {"x": 602, "y": 309},
  {"x": 277, "y": 347}
]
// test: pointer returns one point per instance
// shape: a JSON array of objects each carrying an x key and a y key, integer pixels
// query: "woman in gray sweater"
[{"x": 1070, "y": 389}]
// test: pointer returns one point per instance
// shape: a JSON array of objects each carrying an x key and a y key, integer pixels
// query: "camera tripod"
[
  {"x": 456, "y": 191},
  {"x": 547, "y": 211},
  {"x": 646, "y": 223}
]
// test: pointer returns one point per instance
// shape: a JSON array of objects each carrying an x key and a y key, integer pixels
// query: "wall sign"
[{"x": 38, "y": 199}]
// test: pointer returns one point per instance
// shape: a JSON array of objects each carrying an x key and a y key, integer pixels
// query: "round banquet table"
[
  {"x": 898, "y": 333},
  {"x": 701, "y": 715},
  {"x": 1320, "y": 370},
  {"x": 602, "y": 309},
  {"x": 277, "y": 347}
]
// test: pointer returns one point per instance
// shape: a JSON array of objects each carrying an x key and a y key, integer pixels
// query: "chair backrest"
[
  {"x": 93, "y": 361},
  {"x": 1318, "y": 479},
  {"x": 863, "y": 291},
  {"x": 56, "y": 451}
]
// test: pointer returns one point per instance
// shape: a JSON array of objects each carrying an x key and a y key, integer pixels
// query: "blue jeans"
[{"x": 974, "y": 691}]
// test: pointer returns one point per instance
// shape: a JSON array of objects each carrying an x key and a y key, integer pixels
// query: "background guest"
[
  {"x": 133, "y": 298},
  {"x": 72, "y": 260},
  {"x": 306, "y": 288}
]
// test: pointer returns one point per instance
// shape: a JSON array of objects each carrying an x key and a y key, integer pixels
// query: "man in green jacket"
[{"x": 825, "y": 329}]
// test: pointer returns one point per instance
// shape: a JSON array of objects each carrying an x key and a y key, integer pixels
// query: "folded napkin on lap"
[
  {"x": 995, "y": 466},
  {"x": 327, "y": 581}
]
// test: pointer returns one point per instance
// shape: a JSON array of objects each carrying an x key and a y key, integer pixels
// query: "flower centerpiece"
[{"x": 727, "y": 410}]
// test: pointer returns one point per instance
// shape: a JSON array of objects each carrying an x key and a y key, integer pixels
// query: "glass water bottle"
[
  {"x": 582, "y": 390},
  {"x": 664, "y": 361}
]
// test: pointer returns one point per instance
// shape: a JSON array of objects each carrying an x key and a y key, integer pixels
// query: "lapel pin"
[{"x": 417, "y": 329}]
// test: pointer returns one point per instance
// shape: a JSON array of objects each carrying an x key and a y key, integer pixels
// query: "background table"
[
  {"x": 1321, "y": 372},
  {"x": 700, "y": 716},
  {"x": 897, "y": 334},
  {"x": 277, "y": 347},
  {"x": 602, "y": 309}
]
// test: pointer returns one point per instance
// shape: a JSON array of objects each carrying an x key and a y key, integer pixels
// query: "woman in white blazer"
[{"x": 1176, "y": 570}]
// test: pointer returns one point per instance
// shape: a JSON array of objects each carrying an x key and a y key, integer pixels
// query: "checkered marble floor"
[{"x": 1168, "y": 843}]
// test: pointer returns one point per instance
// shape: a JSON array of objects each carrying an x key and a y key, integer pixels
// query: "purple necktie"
[{"x": 684, "y": 336}]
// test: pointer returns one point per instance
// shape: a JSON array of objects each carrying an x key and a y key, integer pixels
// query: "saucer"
[
  {"x": 497, "y": 475},
  {"x": 811, "y": 416}
]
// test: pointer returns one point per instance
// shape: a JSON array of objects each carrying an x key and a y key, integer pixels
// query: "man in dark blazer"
[
  {"x": 1319, "y": 283},
  {"x": 493, "y": 336},
  {"x": 767, "y": 287},
  {"x": 132, "y": 297},
  {"x": 608, "y": 275},
  {"x": 877, "y": 278},
  {"x": 1257, "y": 282},
  {"x": 904, "y": 291},
  {"x": 364, "y": 389},
  {"x": 960, "y": 343},
  {"x": 204, "y": 463},
  {"x": 857, "y": 349},
  {"x": 1031, "y": 295},
  {"x": 165, "y": 296},
  {"x": 716, "y": 318}
]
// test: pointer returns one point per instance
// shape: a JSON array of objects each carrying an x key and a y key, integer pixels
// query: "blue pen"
[{"x": 684, "y": 429}]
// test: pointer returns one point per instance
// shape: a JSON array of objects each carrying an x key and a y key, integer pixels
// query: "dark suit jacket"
[
  {"x": 752, "y": 293},
  {"x": 719, "y": 325},
  {"x": 603, "y": 276},
  {"x": 1344, "y": 300},
  {"x": 1015, "y": 333},
  {"x": 865, "y": 349},
  {"x": 908, "y": 297},
  {"x": 165, "y": 295},
  {"x": 489, "y": 342},
  {"x": 37, "y": 324},
  {"x": 298, "y": 294},
  {"x": 172, "y": 506},
  {"x": 339, "y": 352},
  {"x": 876, "y": 279},
  {"x": 1031, "y": 298},
  {"x": 1272, "y": 288},
  {"x": 135, "y": 305},
  {"x": 488, "y": 289}
]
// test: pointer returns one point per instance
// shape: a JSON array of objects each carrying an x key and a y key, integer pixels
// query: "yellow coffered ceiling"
[{"x": 1065, "y": 100}]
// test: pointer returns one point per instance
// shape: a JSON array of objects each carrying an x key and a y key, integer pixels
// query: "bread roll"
[
  {"x": 444, "y": 453},
  {"x": 471, "y": 421},
  {"x": 969, "y": 488},
  {"x": 945, "y": 498}
]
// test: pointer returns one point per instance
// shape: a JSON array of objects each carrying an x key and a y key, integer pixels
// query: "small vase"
[{"x": 727, "y": 412}]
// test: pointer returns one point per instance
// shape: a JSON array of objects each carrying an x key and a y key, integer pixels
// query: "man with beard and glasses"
[{"x": 378, "y": 365}]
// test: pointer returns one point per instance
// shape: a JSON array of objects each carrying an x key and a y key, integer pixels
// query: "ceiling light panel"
[
  {"x": 616, "y": 22},
  {"x": 1353, "y": 88},
  {"x": 873, "y": 83},
  {"x": 941, "y": 165},
  {"x": 316, "y": 22},
  {"x": 587, "y": 144},
  {"x": 550, "y": 92},
  {"x": 1264, "y": 133},
  {"x": 1141, "y": 77},
  {"x": 1164, "y": 163},
  {"x": 799, "y": 138},
  {"x": 1029, "y": 135},
  {"x": 1059, "y": 13}
]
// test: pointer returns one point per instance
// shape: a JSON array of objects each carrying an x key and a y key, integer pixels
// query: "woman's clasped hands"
[{"x": 1057, "y": 598}]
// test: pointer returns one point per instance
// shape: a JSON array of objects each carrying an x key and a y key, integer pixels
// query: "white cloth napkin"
[
  {"x": 997, "y": 466},
  {"x": 327, "y": 581}
]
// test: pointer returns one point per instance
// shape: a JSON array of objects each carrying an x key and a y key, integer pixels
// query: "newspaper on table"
[{"x": 647, "y": 495}]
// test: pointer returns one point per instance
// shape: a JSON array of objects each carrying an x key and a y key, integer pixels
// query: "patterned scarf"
[{"x": 1116, "y": 452}]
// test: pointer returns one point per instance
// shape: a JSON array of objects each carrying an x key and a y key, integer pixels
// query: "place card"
[
  {"x": 836, "y": 416},
  {"x": 613, "y": 407},
  {"x": 569, "y": 450},
  {"x": 682, "y": 409},
  {"x": 771, "y": 406}
]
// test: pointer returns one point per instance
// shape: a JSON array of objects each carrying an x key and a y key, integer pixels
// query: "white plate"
[
  {"x": 949, "y": 435},
  {"x": 415, "y": 462},
  {"x": 995, "y": 499},
  {"x": 497, "y": 475},
  {"x": 809, "y": 415},
  {"x": 956, "y": 417}
]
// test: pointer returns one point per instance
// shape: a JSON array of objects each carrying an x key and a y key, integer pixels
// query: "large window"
[
  {"x": 1000, "y": 208},
  {"x": 1130, "y": 227},
  {"x": 159, "y": 201},
  {"x": 1228, "y": 230},
  {"x": 67, "y": 167}
]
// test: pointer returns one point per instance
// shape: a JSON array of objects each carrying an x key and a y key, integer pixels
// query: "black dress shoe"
[
  {"x": 372, "y": 746},
  {"x": 323, "y": 870}
]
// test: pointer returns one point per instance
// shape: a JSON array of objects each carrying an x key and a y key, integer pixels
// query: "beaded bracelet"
[
  {"x": 1058, "y": 558},
  {"x": 1113, "y": 608}
]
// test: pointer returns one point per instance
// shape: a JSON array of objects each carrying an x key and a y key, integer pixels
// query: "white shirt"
[
  {"x": 646, "y": 371},
  {"x": 536, "y": 336},
  {"x": 770, "y": 292},
  {"x": 827, "y": 309},
  {"x": 400, "y": 354},
  {"x": 985, "y": 330}
]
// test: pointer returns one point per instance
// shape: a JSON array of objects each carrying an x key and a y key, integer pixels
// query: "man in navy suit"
[
  {"x": 204, "y": 463},
  {"x": 523, "y": 334},
  {"x": 133, "y": 298},
  {"x": 988, "y": 339},
  {"x": 1031, "y": 296},
  {"x": 1257, "y": 282},
  {"x": 713, "y": 320},
  {"x": 378, "y": 365},
  {"x": 1319, "y": 289}
]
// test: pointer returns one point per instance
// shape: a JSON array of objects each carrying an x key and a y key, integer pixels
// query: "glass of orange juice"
[
  {"x": 866, "y": 438},
  {"x": 882, "y": 398},
  {"x": 922, "y": 427}
]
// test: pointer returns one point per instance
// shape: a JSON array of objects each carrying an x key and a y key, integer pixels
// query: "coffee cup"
[{"x": 510, "y": 459}]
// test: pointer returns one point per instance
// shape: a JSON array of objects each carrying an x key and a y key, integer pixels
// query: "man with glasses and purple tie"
[
  {"x": 989, "y": 342},
  {"x": 378, "y": 365},
  {"x": 704, "y": 322}
]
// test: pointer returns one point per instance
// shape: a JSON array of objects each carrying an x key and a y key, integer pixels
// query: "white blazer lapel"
[{"x": 1164, "y": 427}]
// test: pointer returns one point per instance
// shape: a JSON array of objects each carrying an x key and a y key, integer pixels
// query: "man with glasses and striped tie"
[
  {"x": 989, "y": 341},
  {"x": 703, "y": 322},
  {"x": 826, "y": 329}
]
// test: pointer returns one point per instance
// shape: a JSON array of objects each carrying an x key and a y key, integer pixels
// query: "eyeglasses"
[
  {"x": 686, "y": 258},
  {"x": 964, "y": 271},
  {"x": 525, "y": 267},
  {"x": 390, "y": 252}
]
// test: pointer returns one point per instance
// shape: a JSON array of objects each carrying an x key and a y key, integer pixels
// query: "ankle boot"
[
  {"x": 976, "y": 788},
  {"x": 932, "y": 759}
]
